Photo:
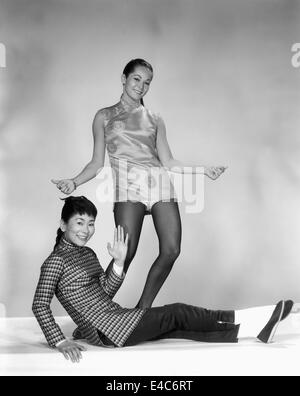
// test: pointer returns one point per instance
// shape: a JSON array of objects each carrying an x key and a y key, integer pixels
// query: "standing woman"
[{"x": 140, "y": 156}]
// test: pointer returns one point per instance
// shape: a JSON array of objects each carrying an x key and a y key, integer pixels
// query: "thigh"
[
  {"x": 167, "y": 223},
  {"x": 152, "y": 326},
  {"x": 130, "y": 215}
]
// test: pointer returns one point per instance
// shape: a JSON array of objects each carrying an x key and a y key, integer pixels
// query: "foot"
[
  {"x": 142, "y": 306},
  {"x": 289, "y": 305},
  {"x": 281, "y": 311}
]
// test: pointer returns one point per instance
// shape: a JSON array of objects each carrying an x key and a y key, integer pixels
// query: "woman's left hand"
[{"x": 119, "y": 249}]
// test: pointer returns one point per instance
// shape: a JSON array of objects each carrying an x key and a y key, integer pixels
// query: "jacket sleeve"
[
  {"x": 111, "y": 281},
  {"x": 51, "y": 272}
]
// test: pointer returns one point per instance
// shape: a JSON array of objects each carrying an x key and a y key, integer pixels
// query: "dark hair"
[
  {"x": 130, "y": 67},
  {"x": 75, "y": 205}
]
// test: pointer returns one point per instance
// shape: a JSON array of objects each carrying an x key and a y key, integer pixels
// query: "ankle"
[{"x": 142, "y": 305}]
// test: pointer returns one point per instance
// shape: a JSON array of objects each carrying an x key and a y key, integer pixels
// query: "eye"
[{"x": 136, "y": 79}]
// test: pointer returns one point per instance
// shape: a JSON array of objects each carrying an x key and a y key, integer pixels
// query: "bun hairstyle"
[
  {"x": 72, "y": 206},
  {"x": 130, "y": 67}
]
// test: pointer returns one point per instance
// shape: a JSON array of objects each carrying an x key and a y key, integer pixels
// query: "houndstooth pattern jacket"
[{"x": 75, "y": 276}]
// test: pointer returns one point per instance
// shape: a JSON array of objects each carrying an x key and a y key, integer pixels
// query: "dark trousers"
[{"x": 187, "y": 322}]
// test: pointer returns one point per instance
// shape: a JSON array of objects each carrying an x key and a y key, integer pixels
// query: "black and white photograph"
[{"x": 149, "y": 190}]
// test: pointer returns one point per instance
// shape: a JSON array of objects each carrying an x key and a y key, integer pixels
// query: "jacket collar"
[{"x": 64, "y": 243}]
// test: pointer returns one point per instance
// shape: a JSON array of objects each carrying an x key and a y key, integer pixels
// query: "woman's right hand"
[
  {"x": 66, "y": 186},
  {"x": 71, "y": 350}
]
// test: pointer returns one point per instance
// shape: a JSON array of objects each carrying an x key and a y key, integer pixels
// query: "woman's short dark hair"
[{"x": 72, "y": 206}]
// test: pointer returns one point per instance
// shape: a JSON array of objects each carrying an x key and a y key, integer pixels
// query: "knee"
[
  {"x": 175, "y": 306},
  {"x": 177, "y": 309},
  {"x": 170, "y": 252}
]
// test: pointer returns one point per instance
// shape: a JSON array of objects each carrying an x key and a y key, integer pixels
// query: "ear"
[
  {"x": 123, "y": 79},
  {"x": 63, "y": 226}
]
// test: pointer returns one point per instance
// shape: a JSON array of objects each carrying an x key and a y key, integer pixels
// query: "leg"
[
  {"x": 200, "y": 324},
  {"x": 185, "y": 321},
  {"x": 259, "y": 322},
  {"x": 130, "y": 215},
  {"x": 167, "y": 224}
]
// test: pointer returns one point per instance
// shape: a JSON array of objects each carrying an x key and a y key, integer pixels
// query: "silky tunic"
[
  {"x": 75, "y": 276},
  {"x": 130, "y": 137}
]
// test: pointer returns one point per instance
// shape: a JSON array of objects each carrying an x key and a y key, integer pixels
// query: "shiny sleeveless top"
[{"x": 130, "y": 136}]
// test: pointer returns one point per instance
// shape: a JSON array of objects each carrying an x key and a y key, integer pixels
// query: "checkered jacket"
[{"x": 75, "y": 276}]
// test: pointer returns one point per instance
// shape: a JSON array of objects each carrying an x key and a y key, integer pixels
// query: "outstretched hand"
[
  {"x": 214, "y": 172},
  {"x": 66, "y": 186},
  {"x": 120, "y": 246}
]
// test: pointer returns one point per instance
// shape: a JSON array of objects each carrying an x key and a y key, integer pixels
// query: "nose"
[
  {"x": 85, "y": 229},
  {"x": 140, "y": 86}
]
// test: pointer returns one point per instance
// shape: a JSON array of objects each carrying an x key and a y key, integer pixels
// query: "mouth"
[
  {"x": 83, "y": 239},
  {"x": 138, "y": 92}
]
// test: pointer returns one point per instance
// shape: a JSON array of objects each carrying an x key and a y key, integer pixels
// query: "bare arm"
[
  {"x": 96, "y": 164},
  {"x": 174, "y": 165}
]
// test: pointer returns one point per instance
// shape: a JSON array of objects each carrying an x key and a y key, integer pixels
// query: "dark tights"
[{"x": 167, "y": 223}]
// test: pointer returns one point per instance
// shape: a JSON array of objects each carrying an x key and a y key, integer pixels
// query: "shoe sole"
[{"x": 277, "y": 324}]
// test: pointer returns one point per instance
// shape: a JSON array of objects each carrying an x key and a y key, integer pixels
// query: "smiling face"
[
  {"x": 137, "y": 84},
  {"x": 79, "y": 229}
]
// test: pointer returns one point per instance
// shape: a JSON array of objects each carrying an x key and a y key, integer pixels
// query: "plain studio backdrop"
[{"x": 229, "y": 94}]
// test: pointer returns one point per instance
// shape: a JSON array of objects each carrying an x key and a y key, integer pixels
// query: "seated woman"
[{"x": 73, "y": 273}]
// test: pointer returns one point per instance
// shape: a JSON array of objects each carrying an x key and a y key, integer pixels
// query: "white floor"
[{"x": 23, "y": 351}]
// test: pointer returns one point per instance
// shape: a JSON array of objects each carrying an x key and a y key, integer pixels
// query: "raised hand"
[
  {"x": 214, "y": 172},
  {"x": 66, "y": 186},
  {"x": 71, "y": 350},
  {"x": 119, "y": 249}
]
